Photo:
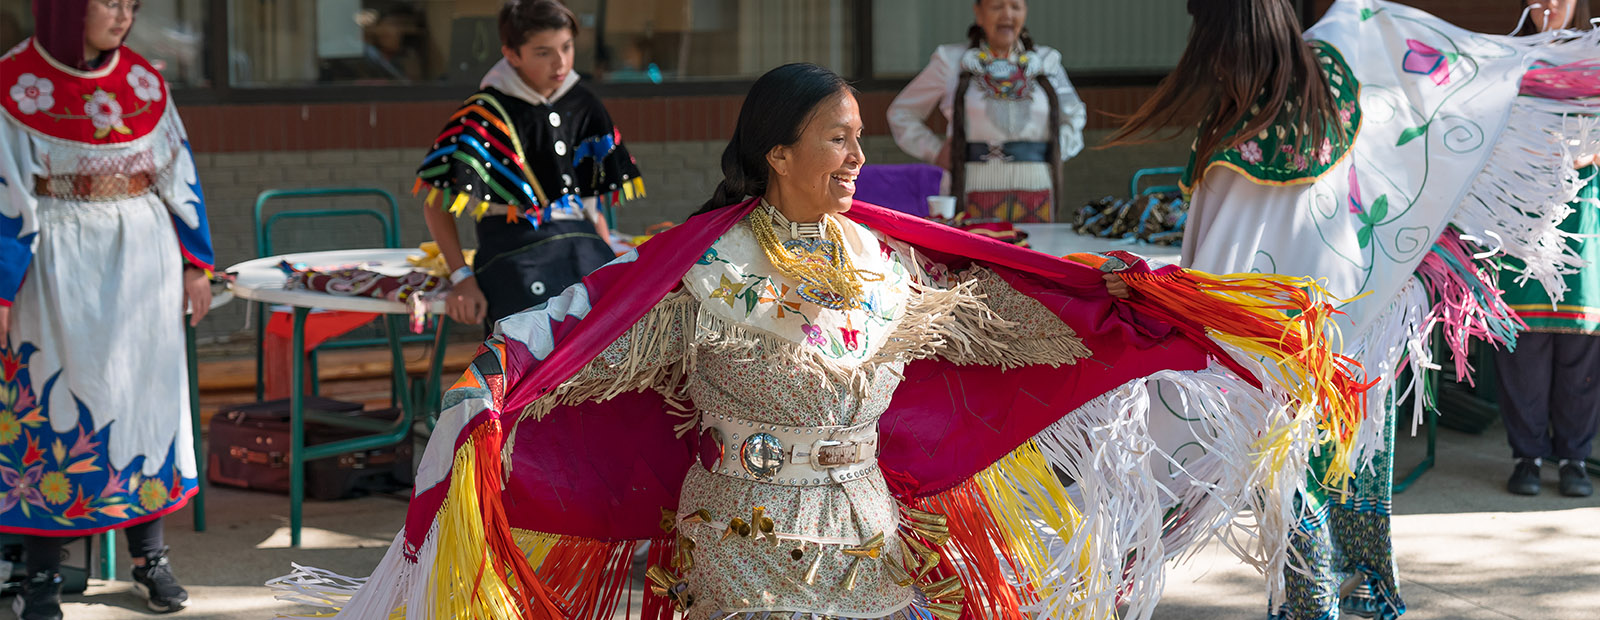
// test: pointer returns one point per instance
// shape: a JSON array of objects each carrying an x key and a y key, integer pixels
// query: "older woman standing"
[
  {"x": 1015, "y": 120},
  {"x": 103, "y": 244}
]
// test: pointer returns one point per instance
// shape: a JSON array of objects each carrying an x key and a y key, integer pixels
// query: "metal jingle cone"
[
  {"x": 850, "y": 575},
  {"x": 949, "y": 588},
  {"x": 897, "y": 573},
  {"x": 945, "y": 611},
  {"x": 736, "y": 527},
  {"x": 811, "y": 571}
]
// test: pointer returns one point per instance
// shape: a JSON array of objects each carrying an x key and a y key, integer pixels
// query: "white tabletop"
[
  {"x": 1057, "y": 239},
  {"x": 261, "y": 280}
]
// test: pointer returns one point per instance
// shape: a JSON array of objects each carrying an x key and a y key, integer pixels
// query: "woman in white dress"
[
  {"x": 1016, "y": 120},
  {"x": 103, "y": 245}
]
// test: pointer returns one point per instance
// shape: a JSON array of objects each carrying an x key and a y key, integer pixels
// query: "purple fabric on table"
[{"x": 902, "y": 187}]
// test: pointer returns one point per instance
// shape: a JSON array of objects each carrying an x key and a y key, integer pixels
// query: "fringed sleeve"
[
  {"x": 651, "y": 355},
  {"x": 987, "y": 322},
  {"x": 974, "y": 317}
]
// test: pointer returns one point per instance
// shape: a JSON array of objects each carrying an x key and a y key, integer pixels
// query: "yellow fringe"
[
  {"x": 1025, "y": 478},
  {"x": 464, "y": 582},
  {"x": 459, "y": 204}
]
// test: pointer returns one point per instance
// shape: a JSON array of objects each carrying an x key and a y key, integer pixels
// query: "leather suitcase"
[{"x": 249, "y": 449}]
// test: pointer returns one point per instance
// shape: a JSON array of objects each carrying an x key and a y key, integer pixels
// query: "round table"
[
  {"x": 262, "y": 281},
  {"x": 1058, "y": 239}
]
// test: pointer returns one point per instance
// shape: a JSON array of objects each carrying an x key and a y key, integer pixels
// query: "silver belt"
[{"x": 789, "y": 455}]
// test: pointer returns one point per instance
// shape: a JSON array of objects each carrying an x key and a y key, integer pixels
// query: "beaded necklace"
[{"x": 815, "y": 257}]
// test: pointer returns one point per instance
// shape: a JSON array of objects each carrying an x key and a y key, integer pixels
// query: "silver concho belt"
[{"x": 787, "y": 455}]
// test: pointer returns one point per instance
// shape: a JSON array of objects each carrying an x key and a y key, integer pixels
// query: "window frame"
[{"x": 221, "y": 91}]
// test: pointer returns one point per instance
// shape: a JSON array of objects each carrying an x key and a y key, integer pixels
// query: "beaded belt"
[
  {"x": 93, "y": 187},
  {"x": 1009, "y": 151},
  {"x": 787, "y": 455}
]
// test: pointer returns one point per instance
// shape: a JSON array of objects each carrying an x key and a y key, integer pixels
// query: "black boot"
[
  {"x": 1524, "y": 478},
  {"x": 40, "y": 598},
  {"x": 1574, "y": 480},
  {"x": 154, "y": 581}
]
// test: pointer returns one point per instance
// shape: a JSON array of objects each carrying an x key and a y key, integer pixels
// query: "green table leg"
[
  {"x": 297, "y": 427},
  {"x": 431, "y": 391},
  {"x": 395, "y": 328},
  {"x": 194, "y": 417},
  {"x": 1432, "y": 417},
  {"x": 262, "y": 315},
  {"x": 108, "y": 555}
]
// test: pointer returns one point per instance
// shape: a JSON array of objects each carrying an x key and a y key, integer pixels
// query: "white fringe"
[
  {"x": 1106, "y": 447},
  {"x": 1520, "y": 197},
  {"x": 391, "y": 586},
  {"x": 992, "y": 176}
]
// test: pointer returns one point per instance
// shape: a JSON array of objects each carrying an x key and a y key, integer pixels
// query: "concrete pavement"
[{"x": 1467, "y": 550}]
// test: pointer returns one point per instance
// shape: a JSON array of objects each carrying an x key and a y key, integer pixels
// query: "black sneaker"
[
  {"x": 40, "y": 598},
  {"x": 154, "y": 582},
  {"x": 1524, "y": 478},
  {"x": 1574, "y": 480}
]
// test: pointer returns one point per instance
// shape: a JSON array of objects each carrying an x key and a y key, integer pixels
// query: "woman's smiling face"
[{"x": 817, "y": 174}]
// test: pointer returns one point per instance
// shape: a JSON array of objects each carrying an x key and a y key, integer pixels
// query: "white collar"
[
  {"x": 796, "y": 230},
  {"x": 504, "y": 77}
]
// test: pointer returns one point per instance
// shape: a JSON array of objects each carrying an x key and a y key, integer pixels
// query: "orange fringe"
[
  {"x": 981, "y": 543},
  {"x": 591, "y": 574},
  {"x": 535, "y": 602},
  {"x": 1279, "y": 318}
]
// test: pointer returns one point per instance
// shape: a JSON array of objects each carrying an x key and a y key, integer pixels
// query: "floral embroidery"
[
  {"x": 1424, "y": 59},
  {"x": 1250, "y": 152},
  {"x": 22, "y": 488},
  {"x": 105, "y": 113},
  {"x": 709, "y": 257},
  {"x": 780, "y": 296},
  {"x": 728, "y": 291},
  {"x": 146, "y": 86},
  {"x": 1281, "y": 153},
  {"x": 10, "y": 428},
  {"x": 152, "y": 494},
  {"x": 1355, "y": 193},
  {"x": 813, "y": 335},
  {"x": 849, "y": 337},
  {"x": 63, "y": 481},
  {"x": 33, "y": 93},
  {"x": 55, "y": 487},
  {"x": 1370, "y": 217}
]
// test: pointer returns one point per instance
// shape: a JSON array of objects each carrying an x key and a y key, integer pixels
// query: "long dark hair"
[
  {"x": 1580, "y": 17},
  {"x": 958, "y": 129},
  {"x": 774, "y": 113},
  {"x": 1238, "y": 50}
]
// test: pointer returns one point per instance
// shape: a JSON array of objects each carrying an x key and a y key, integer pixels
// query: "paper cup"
[{"x": 942, "y": 207}]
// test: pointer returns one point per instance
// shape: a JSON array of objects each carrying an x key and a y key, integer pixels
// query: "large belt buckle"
[
  {"x": 823, "y": 459},
  {"x": 762, "y": 456}
]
